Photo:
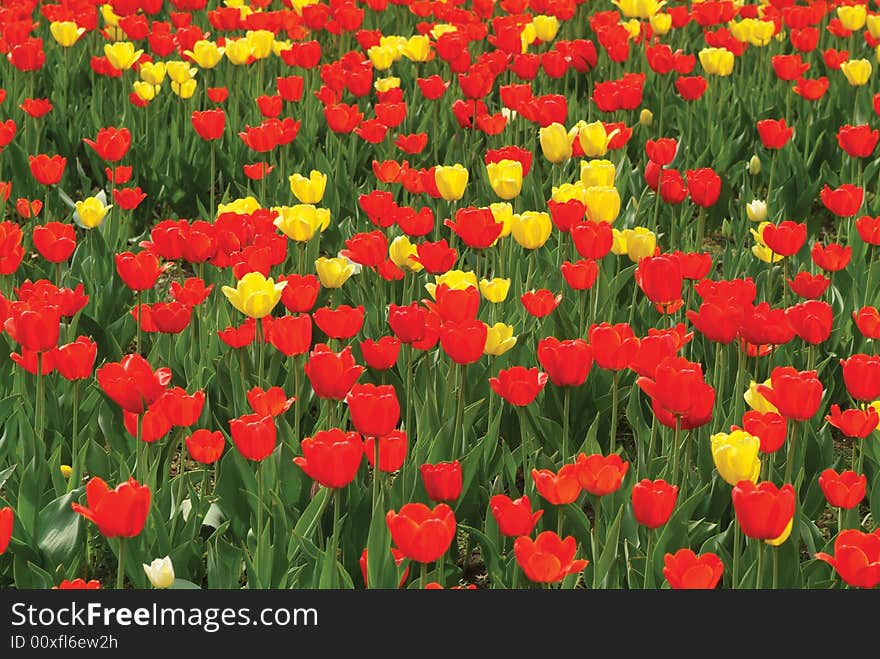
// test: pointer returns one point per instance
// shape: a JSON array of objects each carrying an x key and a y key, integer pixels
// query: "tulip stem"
[
  {"x": 211, "y": 182},
  {"x": 260, "y": 350},
  {"x": 139, "y": 320},
  {"x": 376, "y": 472},
  {"x": 120, "y": 569},
  {"x": 614, "y": 403},
  {"x": 560, "y": 517},
  {"x": 566, "y": 403},
  {"x": 649, "y": 573},
  {"x": 259, "y": 553},
  {"x": 675, "y": 440},
  {"x": 334, "y": 543},
  {"x": 423, "y": 577},
  {"x": 597, "y": 515},
  {"x": 789, "y": 459},
  {"x": 737, "y": 550},
  {"x": 40, "y": 403},
  {"x": 459, "y": 411},
  {"x": 73, "y": 481}
]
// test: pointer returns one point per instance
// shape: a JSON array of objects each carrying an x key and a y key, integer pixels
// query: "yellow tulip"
[
  {"x": 205, "y": 53},
  {"x": 717, "y": 61},
  {"x": 754, "y": 165},
  {"x": 254, "y": 295},
  {"x": 638, "y": 8},
  {"x": 66, "y": 471},
  {"x": 633, "y": 27},
  {"x": 299, "y": 4},
  {"x": 661, "y": 23},
  {"x": 499, "y": 339},
  {"x": 873, "y": 22},
  {"x": 495, "y": 290},
  {"x": 646, "y": 117},
  {"x": 260, "y": 42},
  {"x": 505, "y": 177},
  {"x": 760, "y": 249},
  {"x": 417, "y": 48},
  {"x": 761, "y": 32},
  {"x": 184, "y": 89},
  {"x": 756, "y": 401},
  {"x": 395, "y": 42},
  {"x": 856, "y": 71},
  {"x": 152, "y": 72},
  {"x": 502, "y": 212},
  {"x": 334, "y": 272},
  {"x": 244, "y": 205},
  {"x": 238, "y": 51},
  {"x": 301, "y": 222},
  {"x": 546, "y": 27},
  {"x": 110, "y": 18},
  {"x": 308, "y": 190},
  {"x": 382, "y": 85},
  {"x": 594, "y": 138},
  {"x": 382, "y": 57},
  {"x": 531, "y": 229},
  {"x": 122, "y": 54},
  {"x": 442, "y": 28},
  {"x": 451, "y": 181},
  {"x": 569, "y": 191},
  {"x": 400, "y": 250},
  {"x": 852, "y": 17},
  {"x": 603, "y": 203},
  {"x": 618, "y": 242},
  {"x": 180, "y": 71},
  {"x": 66, "y": 33},
  {"x": 775, "y": 542},
  {"x": 527, "y": 37},
  {"x": 640, "y": 242},
  {"x": 736, "y": 456},
  {"x": 876, "y": 406},
  {"x": 145, "y": 91},
  {"x": 597, "y": 173},
  {"x": 555, "y": 142},
  {"x": 91, "y": 211},
  {"x": 455, "y": 279}
]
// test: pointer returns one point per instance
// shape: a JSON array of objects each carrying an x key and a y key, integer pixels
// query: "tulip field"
[{"x": 407, "y": 294}]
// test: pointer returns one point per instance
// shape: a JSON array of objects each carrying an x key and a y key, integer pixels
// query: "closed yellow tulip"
[
  {"x": 531, "y": 229},
  {"x": 499, "y": 339},
  {"x": 546, "y": 27},
  {"x": 597, "y": 172},
  {"x": 244, "y": 205},
  {"x": 383, "y": 85},
  {"x": 638, "y": 8},
  {"x": 451, "y": 181},
  {"x": 495, "y": 290},
  {"x": 152, "y": 72},
  {"x": 145, "y": 91},
  {"x": 618, "y": 242},
  {"x": 185, "y": 89},
  {"x": 238, "y": 51},
  {"x": 301, "y": 222},
  {"x": 603, "y": 203},
  {"x": 333, "y": 273},
  {"x": 852, "y": 17},
  {"x": 873, "y": 24},
  {"x": 382, "y": 57},
  {"x": 502, "y": 212},
  {"x": 555, "y": 143},
  {"x": 633, "y": 26},
  {"x": 400, "y": 250},
  {"x": 568, "y": 191},
  {"x": 255, "y": 296},
  {"x": 122, "y": 54},
  {"x": 640, "y": 242},
  {"x": 717, "y": 61},
  {"x": 260, "y": 42},
  {"x": 594, "y": 138},
  {"x": 417, "y": 48},
  {"x": 66, "y": 33},
  {"x": 110, "y": 18},
  {"x": 205, "y": 53},
  {"x": 857, "y": 71},
  {"x": 456, "y": 279},
  {"x": 661, "y": 23},
  {"x": 308, "y": 190},
  {"x": 505, "y": 177},
  {"x": 736, "y": 456},
  {"x": 756, "y": 401},
  {"x": 646, "y": 117},
  {"x": 90, "y": 212},
  {"x": 180, "y": 71},
  {"x": 754, "y": 165}
]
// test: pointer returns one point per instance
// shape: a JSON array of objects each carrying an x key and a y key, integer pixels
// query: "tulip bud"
[
  {"x": 756, "y": 209},
  {"x": 160, "y": 572},
  {"x": 754, "y": 165},
  {"x": 66, "y": 471},
  {"x": 646, "y": 117}
]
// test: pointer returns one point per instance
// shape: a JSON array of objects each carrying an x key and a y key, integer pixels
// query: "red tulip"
[
  {"x": 661, "y": 280},
  {"x": 392, "y": 450},
  {"x": 7, "y": 521},
  {"x": 331, "y": 457},
  {"x": 382, "y": 354},
  {"x": 47, "y": 170},
  {"x": 857, "y": 141},
  {"x": 653, "y": 502},
  {"x": 437, "y": 257},
  {"x": 771, "y": 428},
  {"x": 844, "y": 490},
  {"x": 290, "y": 335},
  {"x": 764, "y": 510},
  {"x": 774, "y": 133},
  {"x": 254, "y": 436},
  {"x": 463, "y": 341},
  {"x": 514, "y": 517},
  {"x": 600, "y": 475},
  {"x": 580, "y": 275},
  {"x": 831, "y": 257},
  {"x": 548, "y": 558},
  {"x": 662, "y": 150},
  {"x": 367, "y": 249},
  {"x": 422, "y": 534},
  {"x": 209, "y": 124},
  {"x": 35, "y": 325},
  {"x": 592, "y": 240},
  {"x": 867, "y": 319},
  {"x": 861, "y": 375},
  {"x": 55, "y": 241},
  {"x": 685, "y": 570},
  {"x": 796, "y": 394},
  {"x": 567, "y": 363},
  {"x": 269, "y": 402},
  {"x": 476, "y": 227},
  {"x": 442, "y": 481},
  {"x": 614, "y": 346},
  {"x": 300, "y": 293},
  {"x": 811, "y": 320},
  {"x": 540, "y": 303},
  {"x": 154, "y": 425},
  {"x": 785, "y": 238},
  {"x": 331, "y": 374},
  {"x": 843, "y": 201},
  {"x": 455, "y": 305},
  {"x": 789, "y": 67},
  {"x": 76, "y": 360},
  {"x": 518, "y": 385},
  {"x": 558, "y": 488},
  {"x": 809, "y": 287},
  {"x": 111, "y": 144},
  {"x": 704, "y": 186},
  {"x": 408, "y": 322},
  {"x": 205, "y": 446},
  {"x": 374, "y": 409},
  {"x": 856, "y": 558},
  {"x": 120, "y": 512},
  {"x": 854, "y": 422},
  {"x": 343, "y": 322},
  {"x": 138, "y": 271},
  {"x": 869, "y": 229}
]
